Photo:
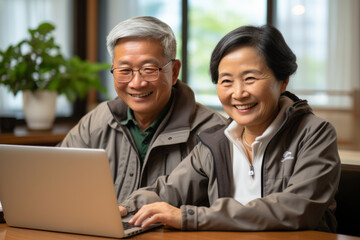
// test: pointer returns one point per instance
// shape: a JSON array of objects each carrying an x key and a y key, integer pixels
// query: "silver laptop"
[{"x": 60, "y": 189}]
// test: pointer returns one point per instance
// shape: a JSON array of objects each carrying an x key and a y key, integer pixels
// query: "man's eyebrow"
[
  {"x": 146, "y": 61},
  {"x": 152, "y": 61},
  {"x": 122, "y": 63}
]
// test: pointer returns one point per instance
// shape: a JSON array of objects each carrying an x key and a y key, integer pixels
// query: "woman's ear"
[{"x": 284, "y": 85}]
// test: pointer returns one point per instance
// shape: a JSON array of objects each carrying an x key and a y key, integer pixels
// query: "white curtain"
[
  {"x": 344, "y": 45},
  {"x": 16, "y": 17}
]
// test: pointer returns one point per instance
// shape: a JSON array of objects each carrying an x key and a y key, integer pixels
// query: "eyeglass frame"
[{"x": 132, "y": 72}]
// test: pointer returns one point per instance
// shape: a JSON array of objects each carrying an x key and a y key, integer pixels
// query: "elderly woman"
[{"x": 274, "y": 166}]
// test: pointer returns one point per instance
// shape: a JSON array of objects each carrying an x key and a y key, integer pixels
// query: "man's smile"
[{"x": 142, "y": 95}]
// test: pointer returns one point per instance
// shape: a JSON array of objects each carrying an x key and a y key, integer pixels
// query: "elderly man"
[{"x": 154, "y": 122}]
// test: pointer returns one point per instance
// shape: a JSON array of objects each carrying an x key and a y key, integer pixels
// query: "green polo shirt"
[{"x": 142, "y": 138}]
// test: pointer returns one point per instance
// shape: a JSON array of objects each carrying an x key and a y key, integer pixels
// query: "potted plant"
[{"x": 36, "y": 67}]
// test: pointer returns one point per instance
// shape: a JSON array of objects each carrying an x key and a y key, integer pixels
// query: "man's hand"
[
  {"x": 123, "y": 211},
  {"x": 157, "y": 212}
]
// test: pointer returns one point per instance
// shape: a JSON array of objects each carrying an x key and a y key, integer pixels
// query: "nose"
[
  {"x": 239, "y": 89},
  {"x": 137, "y": 80}
]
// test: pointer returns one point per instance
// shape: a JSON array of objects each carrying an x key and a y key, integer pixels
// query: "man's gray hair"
[{"x": 143, "y": 27}]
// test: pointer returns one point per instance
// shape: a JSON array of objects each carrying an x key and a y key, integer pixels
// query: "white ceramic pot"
[{"x": 39, "y": 109}]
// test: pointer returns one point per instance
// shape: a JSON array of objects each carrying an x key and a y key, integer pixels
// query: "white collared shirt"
[{"x": 248, "y": 187}]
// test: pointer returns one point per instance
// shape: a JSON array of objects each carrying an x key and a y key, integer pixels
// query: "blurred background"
[{"x": 324, "y": 34}]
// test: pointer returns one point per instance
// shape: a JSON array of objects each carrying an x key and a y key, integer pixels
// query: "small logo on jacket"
[{"x": 287, "y": 156}]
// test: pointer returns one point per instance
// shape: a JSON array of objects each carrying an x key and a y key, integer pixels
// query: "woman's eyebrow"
[
  {"x": 225, "y": 74},
  {"x": 254, "y": 71}
]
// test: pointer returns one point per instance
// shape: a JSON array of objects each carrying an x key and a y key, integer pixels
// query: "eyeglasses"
[{"x": 149, "y": 74}]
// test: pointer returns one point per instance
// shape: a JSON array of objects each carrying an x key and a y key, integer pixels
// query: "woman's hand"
[{"x": 157, "y": 212}]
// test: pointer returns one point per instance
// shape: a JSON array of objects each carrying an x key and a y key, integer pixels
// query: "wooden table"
[{"x": 11, "y": 233}]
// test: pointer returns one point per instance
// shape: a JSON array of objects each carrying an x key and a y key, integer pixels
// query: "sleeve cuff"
[{"x": 189, "y": 218}]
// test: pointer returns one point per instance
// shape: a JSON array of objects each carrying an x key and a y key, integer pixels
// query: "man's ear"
[{"x": 176, "y": 65}]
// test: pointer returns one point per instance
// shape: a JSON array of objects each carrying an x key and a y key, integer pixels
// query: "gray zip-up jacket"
[
  {"x": 296, "y": 194},
  {"x": 172, "y": 142}
]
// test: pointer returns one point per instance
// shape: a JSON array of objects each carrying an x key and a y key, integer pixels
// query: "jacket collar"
[{"x": 298, "y": 108}]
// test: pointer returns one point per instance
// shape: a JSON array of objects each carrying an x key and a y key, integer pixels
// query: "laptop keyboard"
[{"x": 127, "y": 225}]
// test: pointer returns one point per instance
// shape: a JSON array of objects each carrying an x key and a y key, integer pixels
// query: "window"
[{"x": 16, "y": 17}]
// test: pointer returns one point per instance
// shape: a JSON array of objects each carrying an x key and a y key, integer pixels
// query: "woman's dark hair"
[{"x": 268, "y": 41}]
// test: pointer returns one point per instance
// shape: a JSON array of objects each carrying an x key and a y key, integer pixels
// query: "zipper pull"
[{"x": 251, "y": 172}]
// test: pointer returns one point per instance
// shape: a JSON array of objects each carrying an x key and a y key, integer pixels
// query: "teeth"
[
  {"x": 140, "y": 95},
  {"x": 244, "y": 107}
]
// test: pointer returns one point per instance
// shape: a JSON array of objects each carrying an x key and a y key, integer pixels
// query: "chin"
[
  {"x": 243, "y": 121},
  {"x": 142, "y": 109}
]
